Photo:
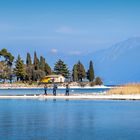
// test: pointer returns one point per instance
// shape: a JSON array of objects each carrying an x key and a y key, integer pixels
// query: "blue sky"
[{"x": 74, "y": 27}]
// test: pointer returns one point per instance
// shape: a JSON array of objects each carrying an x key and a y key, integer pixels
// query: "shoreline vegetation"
[
  {"x": 127, "y": 89},
  {"x": 33, "y": 70},
  {"x": 60, "y": 85}
]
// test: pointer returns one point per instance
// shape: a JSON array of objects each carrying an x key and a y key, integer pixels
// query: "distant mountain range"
[{"x": 119, "y": 63}]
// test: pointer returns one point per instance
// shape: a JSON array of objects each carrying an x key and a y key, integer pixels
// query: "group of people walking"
[{"x": 55, "y": 88}]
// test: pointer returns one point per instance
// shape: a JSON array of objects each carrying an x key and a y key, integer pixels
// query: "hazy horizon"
[{"x": 73, "y": 30}]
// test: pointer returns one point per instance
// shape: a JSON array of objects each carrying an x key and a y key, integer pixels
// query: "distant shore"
[{"x": 24, "y": 86}]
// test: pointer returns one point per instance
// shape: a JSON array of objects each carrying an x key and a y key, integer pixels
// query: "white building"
[{"x": 54, "y": 78}]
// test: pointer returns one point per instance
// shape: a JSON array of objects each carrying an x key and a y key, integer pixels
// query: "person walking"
[
  {"x": 45, "y": 89},
  {"x": 54, "y": 89},
  {"x": 67, "y": 90}
]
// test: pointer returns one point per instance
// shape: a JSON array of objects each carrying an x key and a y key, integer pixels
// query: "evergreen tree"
[
  {"x": 28, "y": 60},
  {"x": 61, "y": 68},
  {"x": 75, "y": 73},
  {"x": 81, "y": 71},
  {"x": 90, "y": 73},
  {"x": 20, "y": 69},
  {"x": 42, "y": 63},
  {"x": 36, "y": 62},
  {"x": 29, "y": 73},
  {"x": 29, "y": 68},
  {"x": 48, "y": 70}
]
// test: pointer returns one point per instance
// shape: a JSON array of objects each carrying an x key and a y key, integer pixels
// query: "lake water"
[
  {"x": 41, "y": 91},
  {"x": 69, "y": 120}
]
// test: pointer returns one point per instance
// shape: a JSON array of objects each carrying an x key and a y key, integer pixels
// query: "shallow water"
[
  {"x": 69, "y": 120},
  {"x": 41, "y": 91}
]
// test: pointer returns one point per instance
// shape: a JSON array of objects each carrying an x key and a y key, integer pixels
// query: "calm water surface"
[
  {"x": 41, "y": 91},
  {"x": 69, "y": 120}
]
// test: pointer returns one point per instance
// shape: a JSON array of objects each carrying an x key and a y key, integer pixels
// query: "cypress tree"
[
  {"x": 81, "y": 71},
  {"x": 28, "y": 60},
  {"x": 42, "y": 63},
  {"x": 75, "y": 73},
  {"x": 90, "y": 73},
  {"x": 48, "y": 70},
  {"x": 36, "y": 62},
  {"x": 44, "y": 66},
  {"x": 29, "y": 68}
]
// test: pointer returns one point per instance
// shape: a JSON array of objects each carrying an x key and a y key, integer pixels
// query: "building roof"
[{"x": 53, "y": 76}]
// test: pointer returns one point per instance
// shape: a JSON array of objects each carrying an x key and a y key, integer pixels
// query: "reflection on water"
[{"x": 69, "y": 119}]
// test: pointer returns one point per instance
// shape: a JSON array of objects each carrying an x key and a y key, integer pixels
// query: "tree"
[
  {"x": 28, "y": 60},
  {"x": 4, "y": 71},
  {"x": 81, "y": 71},
  {"x": 36, "y": 62},
  {"x": 29, "y": 73},
  {"x": 9, "y": 58},
  {"x": 98, "y": 81},
  {"x": 42, "y": 63},
  {"x": 61, "y": 68},
  {"x": 20, "y": 69},
  {"x": 38, "y": 74},
  {"x": 75, "y": 73},
  {"x": 29, "y": 68},
  {"x": 47, "y": 69},
  {"x": 90, "y": 73}
]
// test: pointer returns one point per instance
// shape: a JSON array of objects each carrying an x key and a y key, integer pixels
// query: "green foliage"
[
  {"x": 75, "y": 73},
  {"x": 29, "y": 73},
  {"x": 42, "y": 63},
  {"x": 38, "y": 74},
  {"x": 90, "y": 73},
  {"x": 20, "y": 69},
  {"x": 98, "y": 81},
  {"x": 48, "y": 70},
  {"x": 36, "y": 62},
  {"x": 34, "y": 71},
  {"x": 61, "y": 68},
  {"x": 28, "y": 60},
  {"x": 9, "y": 58},
  {"x": 81, "y": 71},
  {"x": 6, "y": 70},
  {"x": 29, "y": 68}
]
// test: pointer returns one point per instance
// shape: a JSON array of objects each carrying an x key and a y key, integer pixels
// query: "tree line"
[{"x": 34, "y": 70}]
